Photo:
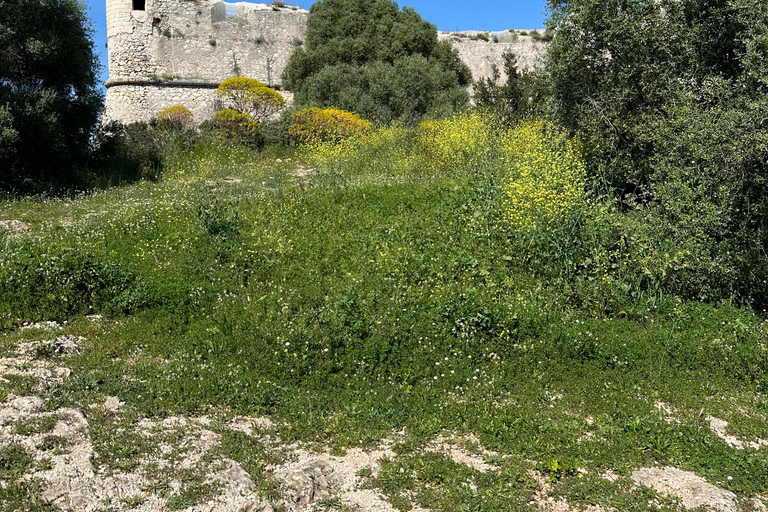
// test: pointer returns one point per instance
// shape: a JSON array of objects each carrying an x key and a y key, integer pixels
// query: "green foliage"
[
  {"x": 238, "y": 127},
  {"x": 521, "y": 95},
  {"x": 673, "y": 129},
  {"x": 316, "y": 125},
  {"x": 175, "y": 117},
  {"x": 378, "y": 60},
  {"x": 49, "y": 96},
  {"x": 15, "y": 460},
  {"x": 249, "y": 96},
  {"x": 326, "y": 300},
  {"x": 127, "y": 153}
]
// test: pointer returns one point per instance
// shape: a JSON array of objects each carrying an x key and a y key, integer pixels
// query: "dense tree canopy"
[
  {"x": 371, "y": 57},
  {"x": 672, "y": 97},
  {"x": 49, "y": 100}
]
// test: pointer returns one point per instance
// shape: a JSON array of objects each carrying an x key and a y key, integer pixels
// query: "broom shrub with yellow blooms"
[
  {"x": 175, "y": 117},
  {"x": 250, "y": 96},
  {"x": 331, "y": 124},
  {"x": 238, "y": 127}
]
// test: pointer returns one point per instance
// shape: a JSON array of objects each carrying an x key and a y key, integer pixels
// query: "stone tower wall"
[{"x": 178, "y": 51}]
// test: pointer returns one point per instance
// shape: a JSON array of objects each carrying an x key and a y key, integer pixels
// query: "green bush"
[
  {"x": 377, "y": 60},
  {"x": 238, "y": 127},
  {"x": 673, "y": 130},
  {"x": 521, "y": 96}
]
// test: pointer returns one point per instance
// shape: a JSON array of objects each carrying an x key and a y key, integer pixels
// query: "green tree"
[
  {"x": 49, "y": 99},
  {"x": 521, "y": 95},
  {"x": 673, "y": 96},
  {"x": 371, "y": 57}
]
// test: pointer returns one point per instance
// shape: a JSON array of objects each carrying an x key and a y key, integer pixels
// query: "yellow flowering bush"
[
  {"x": 250, "y": 96},
  {"x": 380, "y": 141},
  {"x": 176, "y": 117},
  {"x": 447, "y": 143},
  {"x": 314, "y": 124},
  {"x": 546, "y": 177},
  {"x": 237, "y": 127}
]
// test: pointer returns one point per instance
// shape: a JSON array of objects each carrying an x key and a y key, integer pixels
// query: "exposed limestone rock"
[
  {"x": 13, "y": 225},
  {"x": 693, "y": 490},
  {"x": 720, "y": 428}
]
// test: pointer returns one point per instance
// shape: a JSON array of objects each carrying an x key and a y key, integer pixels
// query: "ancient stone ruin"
[{"x": 170, "y": 52}]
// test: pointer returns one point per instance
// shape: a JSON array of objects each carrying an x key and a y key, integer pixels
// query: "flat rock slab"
[
  {"x": 693, "y": 490},
  {"x": 13, "y": 225}
]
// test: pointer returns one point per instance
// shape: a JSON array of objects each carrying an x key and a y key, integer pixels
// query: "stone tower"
[{"x": 169, "y": 52}]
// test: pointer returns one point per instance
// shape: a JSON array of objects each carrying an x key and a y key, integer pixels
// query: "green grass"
[{"x": 348, "y": 307}]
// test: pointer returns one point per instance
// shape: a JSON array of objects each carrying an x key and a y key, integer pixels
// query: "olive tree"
[{"x": 49, "y": 96}]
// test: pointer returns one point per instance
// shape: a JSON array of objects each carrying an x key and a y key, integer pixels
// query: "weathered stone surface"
[
  {"x": 178, "y": 52},
  {"x": 480, "y": 56},
  {"x": 693, "y": 490},
  {"x": 13, "y": 225}
]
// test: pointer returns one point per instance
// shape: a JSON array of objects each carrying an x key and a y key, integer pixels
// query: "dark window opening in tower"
[{"x": 139, "y": 5}]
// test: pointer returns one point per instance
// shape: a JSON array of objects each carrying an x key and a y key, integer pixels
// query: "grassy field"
[{"x": 354, "y": 295}]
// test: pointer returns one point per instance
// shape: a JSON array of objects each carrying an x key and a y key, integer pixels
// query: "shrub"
[
  {"x": 238, "y": 127},
  {"x": 382, "y": 62},
  {"x": 248, "y": 95},
  {"x": 546, "y": 177},
  {"x": 314, "y": 124},
  {"x": 176, "y": 117},
  {"x": 405, "y": 91},
  {"x": 126, "y": 153},
  {"x": 522, "y": 95},
  {"x": 448, "y": 143}
]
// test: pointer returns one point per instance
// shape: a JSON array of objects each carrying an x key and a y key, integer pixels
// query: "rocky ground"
[{"x": 180, "y": 463}]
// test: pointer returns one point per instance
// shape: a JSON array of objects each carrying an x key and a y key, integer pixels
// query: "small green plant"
[
  {"x": 167, "y": 32},
  {"x": 330, "y": 503},
  {"x": 558, "y": 469},
  {"x": 212, "y": 42},
  {"x": 52, "y": 442},
  {"x": 36, "y": 425},
  {"x": 133, "y": 501},
  {"x": 15, "y": 460}
]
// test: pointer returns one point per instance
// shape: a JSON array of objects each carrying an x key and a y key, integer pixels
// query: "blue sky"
[{"x": 446, "y": 14}]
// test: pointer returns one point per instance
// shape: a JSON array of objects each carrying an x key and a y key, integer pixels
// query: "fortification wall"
[
  {"x": 481, "y": 55},
  {"x": 169, "y": 52},
  {"x": 179, "y": 51}
]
